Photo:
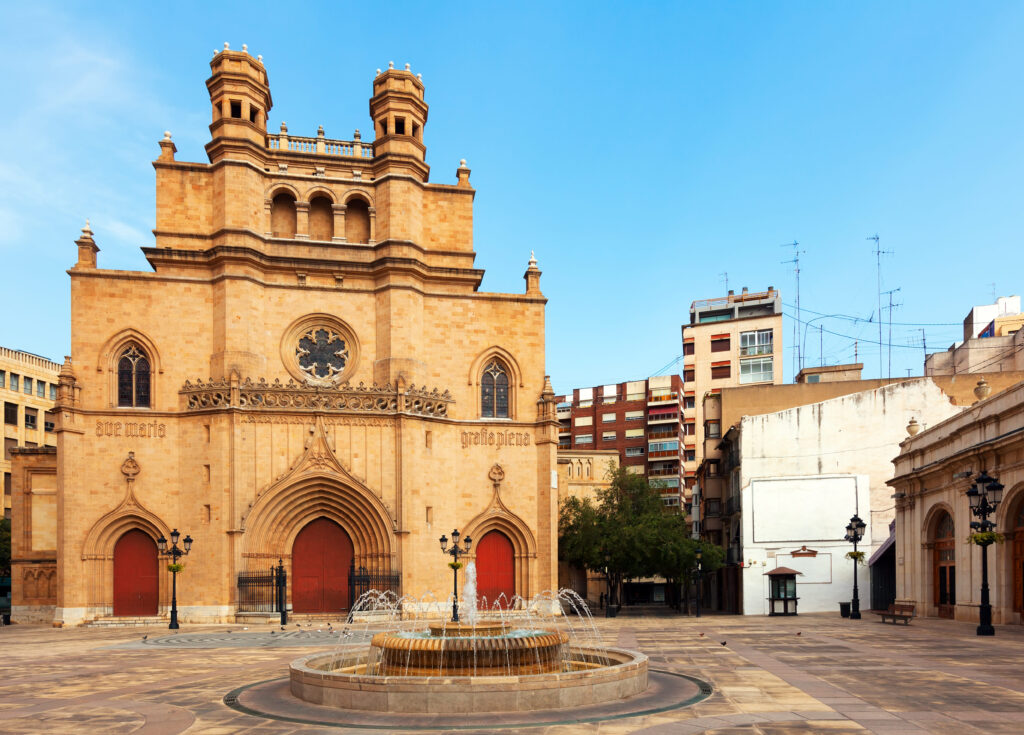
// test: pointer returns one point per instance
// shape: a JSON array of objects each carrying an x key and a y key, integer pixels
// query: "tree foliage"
[{"x": 629, "y": 533}]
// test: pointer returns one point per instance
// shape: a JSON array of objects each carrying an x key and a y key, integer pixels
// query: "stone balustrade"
[
  {"x": 261, "y": 395},
  {"x": 319, "y": 145}
]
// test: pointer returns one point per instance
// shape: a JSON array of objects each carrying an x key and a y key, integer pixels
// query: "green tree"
[{"x": 628, "y": 533}]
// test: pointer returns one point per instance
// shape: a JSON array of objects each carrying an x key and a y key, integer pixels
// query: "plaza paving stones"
[{"x": 837, "y": 677}]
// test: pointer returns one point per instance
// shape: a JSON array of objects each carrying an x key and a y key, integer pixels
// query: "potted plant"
[
  {"x": 456, "y": 565},
  {"x": 985, "y": 538},
  {"x": 856, "y": 556},
  {"x": 175, "y": 568}
]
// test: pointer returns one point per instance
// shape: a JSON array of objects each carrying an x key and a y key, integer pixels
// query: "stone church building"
[{"x": 309, "y": 373}]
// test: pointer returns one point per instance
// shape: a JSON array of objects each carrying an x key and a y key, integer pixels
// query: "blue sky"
[{"x": 642, "y": 150}]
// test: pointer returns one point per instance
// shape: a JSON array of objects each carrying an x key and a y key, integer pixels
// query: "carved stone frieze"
[{"x": 260, "y": 395}]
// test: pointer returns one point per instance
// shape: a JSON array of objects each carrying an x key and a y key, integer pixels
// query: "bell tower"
[
  {"x": 399, "y": 114},
  {"x": 240, "y": 95}
]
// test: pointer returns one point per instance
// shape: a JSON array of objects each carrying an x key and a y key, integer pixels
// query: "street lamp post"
[
  {"x": 456, "y": 551},
  {"x": 984, "y": 497},
  {"x": 700, "y": 555},
  {"x": 854, "y": 533},
  {"x": 174, "y": 553}
]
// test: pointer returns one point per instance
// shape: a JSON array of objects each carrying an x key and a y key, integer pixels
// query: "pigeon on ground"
[
  {"x": 798, "y": 632},
  {"x": 229, "y": 631},
  {"x": 722, "y": 642},
  {"x": 282, "y": 627},
  {"x": 346, "y": 634},
  {"x": 145, "y": 637},
  {"x": 272, "y": 632},
  {"x": 701, "y": 635}
]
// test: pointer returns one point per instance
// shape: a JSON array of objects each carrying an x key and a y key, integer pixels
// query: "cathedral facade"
[{"x": 309, "y": 374}]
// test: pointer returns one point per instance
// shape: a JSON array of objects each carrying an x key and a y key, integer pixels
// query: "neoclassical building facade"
[
  {"x": 310, "y": 373},
  {"x": 936, "y": 567}
]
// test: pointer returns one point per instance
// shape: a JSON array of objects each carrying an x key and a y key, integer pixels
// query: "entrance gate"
[
  {"x": 136, "y": 584},
  {"x": 495, "y": 570},
  {"x": 944, "y": 561},
  {"x": 321, "y": 558}
]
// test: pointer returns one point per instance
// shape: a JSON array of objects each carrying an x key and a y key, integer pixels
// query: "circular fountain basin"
[
  {"x": 489, "y": 652},
  {"x": 594, "y": 676}
]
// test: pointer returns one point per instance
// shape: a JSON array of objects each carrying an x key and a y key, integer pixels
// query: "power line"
[{"x": 850, "y": 317}]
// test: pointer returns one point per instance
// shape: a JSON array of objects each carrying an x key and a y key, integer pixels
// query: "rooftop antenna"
[
  {"x": 890, "y": 307},
  {"x": 878, "y": 263},
  {"x": 796, "y": 325},
  {"x": 994, "y": 297},
  {"x": 725, "y": 277}
]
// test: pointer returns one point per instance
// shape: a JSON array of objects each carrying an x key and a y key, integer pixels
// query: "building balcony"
[
  {"x": 663, "y": 455},
  {"x": 663, "y": 418},
  {"x": 666, "y": 472},
  {"x": 663, "y": 434},
  {"x": 755, "y": 350},
  {"x": 663, "y": 400},
  {"x": 732, "y": 505}
]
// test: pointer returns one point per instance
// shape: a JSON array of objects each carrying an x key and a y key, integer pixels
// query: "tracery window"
[
  {"x": 322, "y": 353},
  {"x": 133, "y": 377},
  {"x": 494, "y": 391}
]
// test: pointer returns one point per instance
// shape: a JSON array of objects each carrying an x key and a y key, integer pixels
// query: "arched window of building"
[
  {"x": 133, "y": 374},
  {"x": 321, "y": 219},
  {"x": 283, "y": 218},
  {"x": 494, "y": 391},
  {"x": 357, "y": 221}
]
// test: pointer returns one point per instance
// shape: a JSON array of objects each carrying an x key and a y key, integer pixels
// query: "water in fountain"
[
  {"x": 508, "y": 637},
  {"x": 468, "y": 611}
]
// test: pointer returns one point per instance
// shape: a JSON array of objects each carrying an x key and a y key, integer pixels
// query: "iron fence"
[
  {"x": 261, "y": 591},
  {"x": 361, "y": 579}
]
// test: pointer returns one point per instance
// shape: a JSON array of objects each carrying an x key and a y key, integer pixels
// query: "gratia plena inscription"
[
  {"x": 497, "y": 439},
  {"x": 133, "y": 429}
]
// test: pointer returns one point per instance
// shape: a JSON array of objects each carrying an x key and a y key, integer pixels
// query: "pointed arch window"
[
  {"x": 494, "y": 391},
  {"x": 133, "y": 377}
]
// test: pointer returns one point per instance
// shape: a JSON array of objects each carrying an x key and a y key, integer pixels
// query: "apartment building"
[
  {"x": 640, "y": 419},
  {"x": 730, "y": 341},
  {"x": 28, "y": 389},
  {"x": 993, "y": 342}
]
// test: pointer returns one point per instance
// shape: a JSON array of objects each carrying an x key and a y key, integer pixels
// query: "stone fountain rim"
[{"x": 634, "y": 660}]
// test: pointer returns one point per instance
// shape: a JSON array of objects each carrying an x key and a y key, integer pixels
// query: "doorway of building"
[
  {"x": 136, "y": 584},
  {"x": 944, "y": 562},
  {"x": 321, "y": 557},
  {"x": 495, "y": 570},
  {"x": 1018, "y": 560}
]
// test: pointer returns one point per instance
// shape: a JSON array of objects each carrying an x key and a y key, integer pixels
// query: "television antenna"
[{"x": 795, "y": 260}]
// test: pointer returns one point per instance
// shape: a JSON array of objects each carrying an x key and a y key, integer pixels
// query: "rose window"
[{"x": 322, "y": 353}]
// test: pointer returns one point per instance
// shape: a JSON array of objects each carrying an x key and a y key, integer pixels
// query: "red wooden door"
[
  {"x": 321, "y": 558},
  {"x": 136, "y": 585},
  {"x": 495, "y": 570}
]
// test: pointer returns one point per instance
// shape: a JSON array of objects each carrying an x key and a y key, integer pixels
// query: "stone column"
[
  {"x": 301, "y": 220},
  {"x": 339, "y": 222},
  {"x": 373, "y": 224}
]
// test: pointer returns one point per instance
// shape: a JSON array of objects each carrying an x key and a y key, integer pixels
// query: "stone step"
[{"x": 126, "y": 622}]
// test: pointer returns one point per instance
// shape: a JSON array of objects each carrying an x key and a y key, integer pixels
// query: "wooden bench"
[{"x": 897, "y": 611}]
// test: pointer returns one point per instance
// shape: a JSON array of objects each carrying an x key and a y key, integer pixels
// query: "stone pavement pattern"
[{"x": 773, "y": 676}]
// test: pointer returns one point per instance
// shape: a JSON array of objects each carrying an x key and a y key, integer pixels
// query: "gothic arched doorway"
[
  {"x": 321, "y": 557},
  {"x": 136, "y": 584},
  {"x": 944, "y": 563},
  {"x": 495, "y": 570}
]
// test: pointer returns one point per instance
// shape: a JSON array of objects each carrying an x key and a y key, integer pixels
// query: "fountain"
[{"x": 515, "y": 655}]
